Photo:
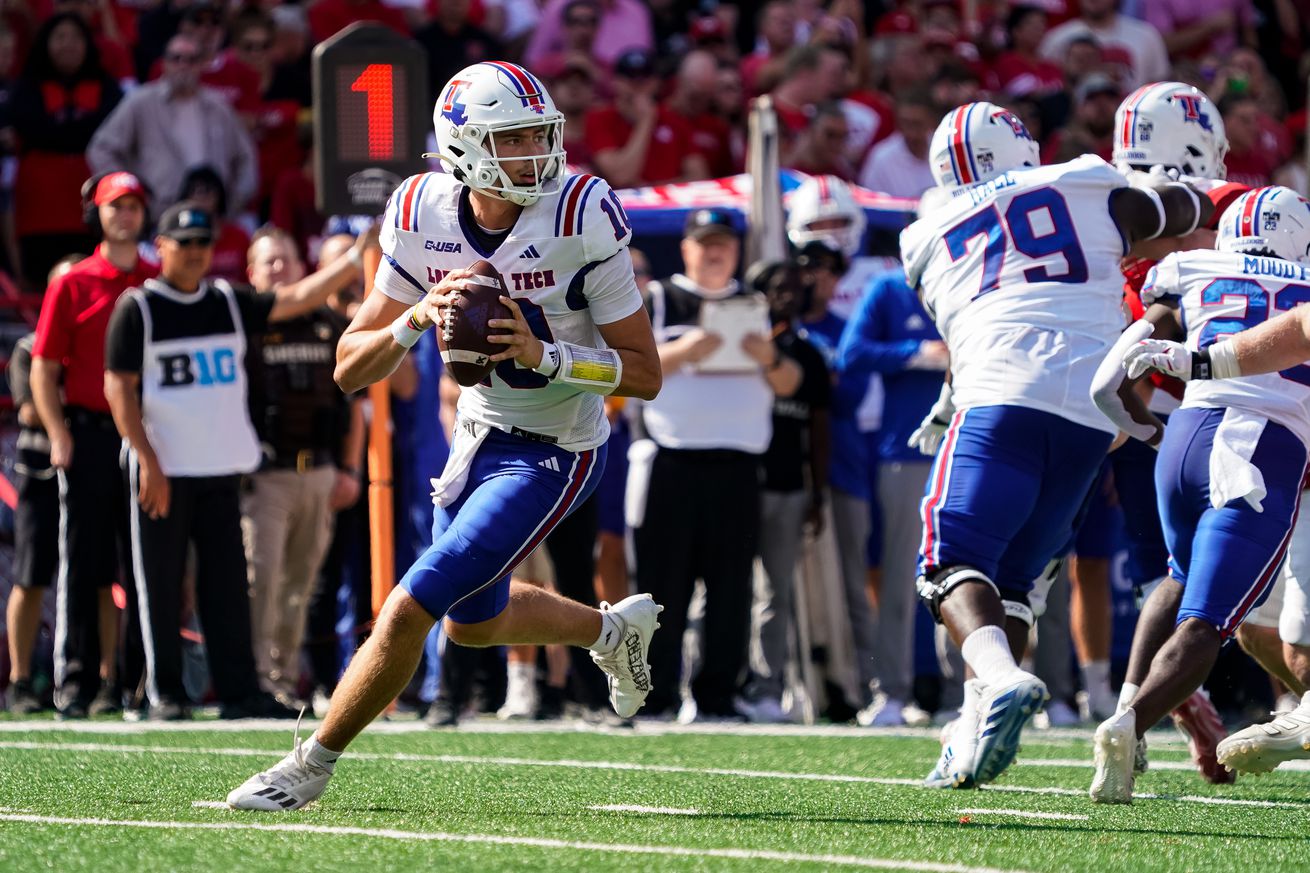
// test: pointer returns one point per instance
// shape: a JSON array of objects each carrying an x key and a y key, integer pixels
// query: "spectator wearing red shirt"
[
  {"x": 327, "y": 17},
  {"x": 1253, "y": 153},
  {"x": 107, "y": 22},
  {"x": 84, "y": 443},
  {"x": 573, "y": 88},
  {"x": 62, "y": 97},
  {"x": 453, "y": 42},
  {"x": 635, "y": 140},
  {"x": 776, "y": 26},
  {"x": 692, "y": 100},
  {"x": 821, "y": 149},
  {"x": 1021, "y": 71},
  {"x": 203, "y": 185},
  {"x": 283, "y": 94},
  {"x": 804, "y": 83},
  {"x": 1091, "y": 130},
  {"x": 223, "y": 72}
]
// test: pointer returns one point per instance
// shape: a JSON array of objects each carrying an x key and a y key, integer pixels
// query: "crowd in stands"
[{"x": 209, "y": 104}]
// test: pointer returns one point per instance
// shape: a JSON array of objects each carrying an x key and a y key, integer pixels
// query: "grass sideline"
[{"x": 111, "y": 797}]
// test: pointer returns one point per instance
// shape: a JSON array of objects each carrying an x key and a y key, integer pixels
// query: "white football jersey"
[
  {"x": 1222, "y": 293},
  {"x": 557, "y": 263},
  {"x": 1021, "y": 274}
]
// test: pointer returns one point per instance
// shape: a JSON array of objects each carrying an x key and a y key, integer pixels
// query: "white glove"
[
  {"x": 1171, "y": 358},
  {"x": 928, "y": 437}
]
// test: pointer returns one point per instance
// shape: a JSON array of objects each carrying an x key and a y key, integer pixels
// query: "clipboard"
[{"x": 733, "y": 318}]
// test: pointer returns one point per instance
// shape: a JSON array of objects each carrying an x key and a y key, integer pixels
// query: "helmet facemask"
[{"x": 475, "y": 162}]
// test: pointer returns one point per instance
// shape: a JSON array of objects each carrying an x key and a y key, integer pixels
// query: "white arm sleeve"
[{"x": 1110, "y": 375}]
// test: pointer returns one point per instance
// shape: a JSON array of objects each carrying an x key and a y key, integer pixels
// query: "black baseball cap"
[
  {"x": 706, "y": 222},
  {"x": 635, "y": 63},
  {"x": 186, "y": 221}
]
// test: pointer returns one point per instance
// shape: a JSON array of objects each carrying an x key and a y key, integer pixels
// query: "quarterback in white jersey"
[
  {"x": 1233, "y": 457},
  {"x": 530, "y": 442},
  {"x": 1019, "y": 269}
]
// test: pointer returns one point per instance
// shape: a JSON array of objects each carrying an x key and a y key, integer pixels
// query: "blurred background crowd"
[{"x": 211, "y": 103}]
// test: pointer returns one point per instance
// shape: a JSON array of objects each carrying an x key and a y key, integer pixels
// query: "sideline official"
[
  {"x": 702, "y": 511},
  {"x": 177, "y": 385}
]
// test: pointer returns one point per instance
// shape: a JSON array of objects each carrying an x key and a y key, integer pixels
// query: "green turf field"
[{"x": 115, "y": 797}]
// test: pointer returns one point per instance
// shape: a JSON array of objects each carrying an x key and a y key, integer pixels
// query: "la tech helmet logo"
[
  {"x": 452, "y": 109},
  {"x": 1191, "y": 104}
]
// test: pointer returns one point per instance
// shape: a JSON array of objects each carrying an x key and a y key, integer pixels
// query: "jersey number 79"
[{"x": 1037, "y": 224}]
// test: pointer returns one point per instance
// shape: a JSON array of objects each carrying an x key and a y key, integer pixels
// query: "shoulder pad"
[
  {"x": 1161, "y": 280},
  {"x": 589, "y": 208},
  {"x": 915, "y": 246},
  {"x": 403, "y": 207}
]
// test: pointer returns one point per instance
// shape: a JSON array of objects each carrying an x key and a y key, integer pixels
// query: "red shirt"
[
  {"x": 328, "y": 16},
  {"x": 74, "y": 320},
  {"x": 670, "y": 140},
  {"x": 711, "y": 137},
  {"x": 233, "y": 79},
  {"x": 230, "y": 253}
]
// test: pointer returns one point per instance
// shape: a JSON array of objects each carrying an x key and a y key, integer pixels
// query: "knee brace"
[
  {"x": 936, "y": 585},
  {"x": 1033, "y": 606},
  {"x": 1020, "y": 610}
]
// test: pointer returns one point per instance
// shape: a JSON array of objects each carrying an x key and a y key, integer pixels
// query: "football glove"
[{"x": 1171, "y": 358}]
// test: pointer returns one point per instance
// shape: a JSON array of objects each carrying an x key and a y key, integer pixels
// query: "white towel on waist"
[
  {"x": 1232, "y": 475},
  {"x": 468, "y": 436}
]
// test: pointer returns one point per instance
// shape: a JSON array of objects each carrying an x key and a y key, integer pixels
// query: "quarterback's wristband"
[
  {"x": 550, "y": 358},
  {"x": 405, "y": 330},
  {"x": 1218, "y": 361},
  {"x": 596, "y": 370}
]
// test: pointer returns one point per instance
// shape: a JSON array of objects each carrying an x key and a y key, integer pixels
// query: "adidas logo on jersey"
[
  {"x": 549, "y": 464},
  {"x": 530, "y": 252}
]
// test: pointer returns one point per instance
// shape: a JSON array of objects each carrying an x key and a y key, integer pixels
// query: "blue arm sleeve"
[{"x": 864, "y": 348}]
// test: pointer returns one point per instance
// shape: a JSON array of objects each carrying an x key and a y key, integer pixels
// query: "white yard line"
[
  {"x": 1023, "y": 813},
  {"x": 498, "y": 840},
  {"x": 1160, "y": 739},
  {"x": 478, "y": 760},
  {"x": 650, "y": 810},
  {"x": 209, "y": 804}
]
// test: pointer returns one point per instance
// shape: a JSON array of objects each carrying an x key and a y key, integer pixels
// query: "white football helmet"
[
  {"x": 826, "y": 201},
  {"x": 487, "y": 98},
  {"x": 1172, "y": 125},
  {"x": 980, "y": 141},
  {"x": 1273, "y": 220}
]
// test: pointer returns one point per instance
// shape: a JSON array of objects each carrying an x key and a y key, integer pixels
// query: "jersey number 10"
[{"x": 1037, "y": 224}]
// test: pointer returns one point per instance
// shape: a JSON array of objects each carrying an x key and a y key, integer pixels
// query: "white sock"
[
  {"x": 1126, "y": 695},
  {"x": 1096, "y": 678},
  {"x": 319, "y": 755},
  {"x": 987, "y": 651},
  {"x": 611, "y": 634}
]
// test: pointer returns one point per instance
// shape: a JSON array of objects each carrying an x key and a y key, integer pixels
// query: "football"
[{"x": 462, "y": 333}]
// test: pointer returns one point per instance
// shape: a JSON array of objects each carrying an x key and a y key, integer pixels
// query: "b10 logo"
[{"x": 205, "y": 367}]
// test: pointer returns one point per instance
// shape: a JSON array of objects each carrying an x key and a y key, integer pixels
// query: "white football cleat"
[
  {"x": 289, "y": 784},
  {"x": 1262, "y": 747},
  {"x": 954, "y": 767},
  {"x": 1002, "y": 714},
  {"x": 1114, "y": 748},
  {"x": 625, "y": 666}
]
